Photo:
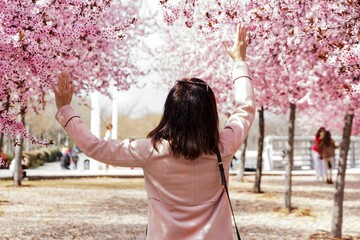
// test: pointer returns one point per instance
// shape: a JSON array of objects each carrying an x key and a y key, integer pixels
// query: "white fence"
[{"x": 275, "y": 152}]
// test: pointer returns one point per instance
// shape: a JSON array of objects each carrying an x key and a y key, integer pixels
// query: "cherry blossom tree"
[
  {"x": 93, "y": 40},
  {"x": 335, "y": 103},
  {"x": 295, "y": 42},
  {"x": 334, "y": 24},
  {"x": 40, "y": 38}
]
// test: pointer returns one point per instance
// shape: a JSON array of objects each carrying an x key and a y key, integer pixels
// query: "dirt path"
[{"x": 112, "y": 208}]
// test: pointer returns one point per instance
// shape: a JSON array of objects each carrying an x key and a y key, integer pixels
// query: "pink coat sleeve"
[
  {"x": 114, "y": 152},
  {"x": 240, "y": 121}
]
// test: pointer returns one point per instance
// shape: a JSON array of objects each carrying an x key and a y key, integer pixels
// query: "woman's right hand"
[
  {"x": 63, "y": 91},
  {"x": 238, "y": 50}
]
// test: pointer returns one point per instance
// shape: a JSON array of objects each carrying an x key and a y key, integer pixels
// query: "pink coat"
[{"x": 186, "y": 199}]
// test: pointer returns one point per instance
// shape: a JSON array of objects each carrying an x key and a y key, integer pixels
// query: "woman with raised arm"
[{"x": 186, "y": 198}]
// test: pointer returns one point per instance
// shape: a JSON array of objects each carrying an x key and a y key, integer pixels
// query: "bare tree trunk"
[
  {"x": 257, "y": 183},
  {"x": 290, "y": 153},
  {"x": 18, "y": 156},
  {"x": 2, "y": 161},
  {"x": 337, "y": 219},
  {"x": 242, "y": 161},
  {"x": 18, "y": 173},
  {"x": 1, "y": 140},
  {"x": 6, "y": 106}
]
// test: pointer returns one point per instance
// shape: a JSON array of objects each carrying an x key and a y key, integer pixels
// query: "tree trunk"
[
  {"x": 290, "y": 153},
  {"x": 18, "y": 156},
  {"x": 242, "y": 161},
  {"x": 2, "y": 162},
  {"x": 18, "y": 173},
  {"x": 6, "y": 108},
  {"x": 257, "y": 183},
  {"x": 337, "y": 219},
  {"x": 1, "y": 141}
]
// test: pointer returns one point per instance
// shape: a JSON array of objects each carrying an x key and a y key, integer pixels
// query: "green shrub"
[
  {"x": 53, "y": 154},
  {"x": 33, "y": 159},
  {"x": 10, "y": 157},
  {"x": 39, "y": 156}
]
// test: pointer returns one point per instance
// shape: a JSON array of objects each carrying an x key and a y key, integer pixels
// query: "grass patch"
[
  {"x": 271, "y": 195},
  {"x": 282, "y": 211},
  {"x": 303, "y": 212},
  {"x": 4, "y": 202},
  {"x": 325, "y": 235},
  {"x": 2, "y": 213},
  {"x": 296, "y": 212}
]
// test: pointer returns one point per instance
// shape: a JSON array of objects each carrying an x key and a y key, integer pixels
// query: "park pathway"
[{"x": 52, "y": 170}]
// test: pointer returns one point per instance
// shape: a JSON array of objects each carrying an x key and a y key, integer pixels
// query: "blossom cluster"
[
  {"x": 38, "y": 39},
  {"x": 304, "y": 52},
  {"x": 331, "y": 27},
  {"x": 299, "y": 51}
]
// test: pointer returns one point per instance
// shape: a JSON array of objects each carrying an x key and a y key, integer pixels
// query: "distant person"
[
  {"x": 58, "y": 155},
  {"x": 24, "y": 164},
  {"x": 186, "y": 198},
  {"x": 316, "y": 155},
  {"x": 65, "y": 158},
  {"x": 74, "y": 157},
  {"x": 4, "y": 162},
  {"x": 234, "y": 163},
  {"x": 109, "y": 128},
  {"x": 327, "y": 147}
]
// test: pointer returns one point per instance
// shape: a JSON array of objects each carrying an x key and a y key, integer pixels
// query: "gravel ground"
[{"x": 113, "y": 208}]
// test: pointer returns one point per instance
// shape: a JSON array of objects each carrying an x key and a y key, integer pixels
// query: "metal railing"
[{"x": 275, "y": 152}]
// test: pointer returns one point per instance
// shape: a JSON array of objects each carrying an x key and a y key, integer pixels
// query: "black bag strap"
[{"x": 223, "y": 182}]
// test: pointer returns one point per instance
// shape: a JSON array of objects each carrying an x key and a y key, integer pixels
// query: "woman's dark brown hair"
[
  {"x": 322, "y": 129},
  {"x": 327, "y": 139},
  {"x": 190, "y": 120}
]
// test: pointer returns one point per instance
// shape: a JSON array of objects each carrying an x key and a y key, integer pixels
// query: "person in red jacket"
[
  {"x": 4, "y": 163},
  {"x": 316, "y": 155}
]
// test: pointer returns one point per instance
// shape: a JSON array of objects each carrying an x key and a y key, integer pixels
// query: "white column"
[
  {"x": 95, "y": 125},
  {"x": 114, "y": 122},
  {"x": 267, "y": 153},
  {"x": 95, "y": 114}
]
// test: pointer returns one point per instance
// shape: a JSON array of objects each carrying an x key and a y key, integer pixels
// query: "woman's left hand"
[
  {"x": 238, "y": 50},
  {"x": 63, "y": 91}
]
